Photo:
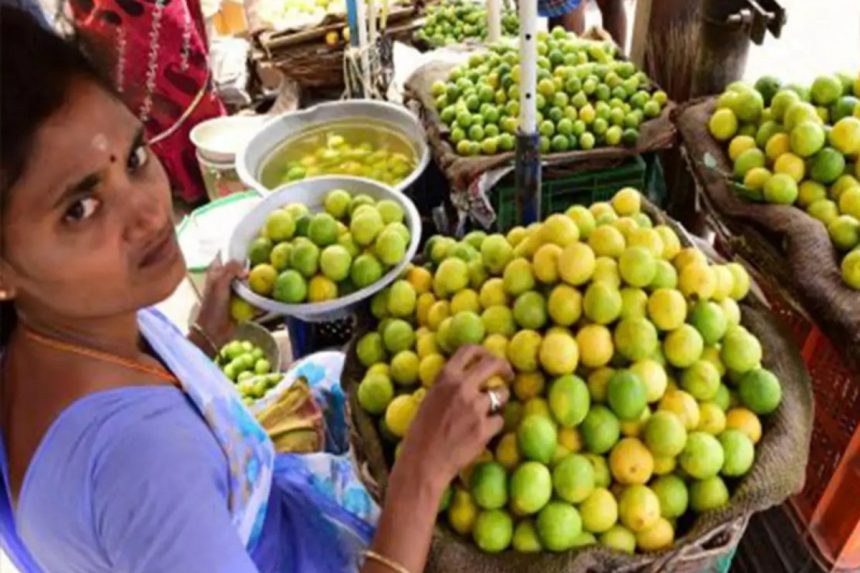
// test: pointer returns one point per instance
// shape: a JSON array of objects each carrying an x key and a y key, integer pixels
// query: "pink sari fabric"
[{"x": 155, "y": 53}]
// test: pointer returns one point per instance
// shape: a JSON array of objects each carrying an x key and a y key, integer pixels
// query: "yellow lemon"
[
  {"x": 507, "y": 452},
  {"x": 595, "y": 345},
  {"x": 559, "y": 354},
  {"x": 671, "y": 243},
  {"x": 422, "y": 307},
  {"x": 429, "y": 368},
  {"x": 570, "y": 438},
  {"x": 791, "y": 165},
  {"x": 683, "y": 405},
  {"x": 630, "y": 462},
  {"x": 576, "y": 263},
  {"x": 497, "y": 344},
  {"x": 528, "y": 385},
  {"x": 545, "y": 263},
  {"x": 438, "y": 311},
  {"x": 697, "y": 280},
  {"x": 779, "y": 144},
  {"x": 739, "y": 144},
  {"x": 745, "y": 421},
  {"x": 421, "y": 279},
  {"x": 321, "y": 288},
  {"x": 628, "y": 201},
  {"x": 493, "y": 293},
  {"x": 688, "y": 255}
]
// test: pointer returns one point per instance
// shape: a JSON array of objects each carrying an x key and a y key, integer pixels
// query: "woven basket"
[
  {"x": 655, "y": 134},
  {"x": 784, "y": 243},
  {"x": 781, "y": 457},
  {"x": 305, "y": 57}
]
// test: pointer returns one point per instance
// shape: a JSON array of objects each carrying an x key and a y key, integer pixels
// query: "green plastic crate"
[{"x": 578, "y": 189}]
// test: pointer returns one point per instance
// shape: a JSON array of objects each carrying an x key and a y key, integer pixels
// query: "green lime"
[
  {"x": 398, "y": 335},
  {"x": 558, "y": 525},
  {"x": 760, "y": 391},
  {"x": 626, "y": 395},
  {"x": 370, "y": 349},
  {"x": 530, "y": 488},
  {"x": 526, "y": 537},
  {"x": 260, "y": 251},
  {"x": 290, "y": 287},
  {"x": 600, "y": 429},
  {"x": 702, "y": 456},
  {"x": 673, "y": 495},
  {"x": 375, "y": 392},
  {"x": 493, "y": 530},
  {"x": 489, "y": 485},
  {"x": 739, "y": 453},
  {"x": 279, "y": 226},
  {"x": 569, "y": 400},
  {"x": 701, "y": 379},
  {"x": 599, "y": 511},
  {"x": 619, "y": 538},
  {"x": 573, "y": 478},
  {"x": 536, "y": 438},
  {"x": 665, "y": 434},
  {"x": 707, "y": 494}
]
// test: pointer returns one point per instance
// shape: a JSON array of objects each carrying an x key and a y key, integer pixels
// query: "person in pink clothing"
[{"x": 155, "y": 54}]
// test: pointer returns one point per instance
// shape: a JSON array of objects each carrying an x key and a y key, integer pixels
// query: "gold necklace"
[{"x": 71, "y": 348}]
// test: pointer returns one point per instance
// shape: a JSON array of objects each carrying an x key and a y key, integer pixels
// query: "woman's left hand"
[{"x": 214, "y": 317}]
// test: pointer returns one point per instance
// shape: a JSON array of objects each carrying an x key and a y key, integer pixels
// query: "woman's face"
[{"x": 87, "y": 231}]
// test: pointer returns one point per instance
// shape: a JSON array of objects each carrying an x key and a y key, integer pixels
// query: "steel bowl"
[
  {"x": 270, "y": 137},
  {"x": 263, "y": 339},
  {"x": 311, "y": 192}
]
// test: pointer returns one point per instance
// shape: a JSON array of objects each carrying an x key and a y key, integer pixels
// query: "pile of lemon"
[
  {"x": 799, "y": 146},
  {"x": 637, "y": 396}
]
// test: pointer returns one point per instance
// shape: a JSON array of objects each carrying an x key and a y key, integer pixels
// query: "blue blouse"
[{"x": 133, "y": 480}]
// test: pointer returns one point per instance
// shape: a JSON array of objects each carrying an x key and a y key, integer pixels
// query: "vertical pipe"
[
  {"x": 352, "y": 20},
  {"x": 372, "y": 17},
  {"x": 528, "y": 171},
  {"x": 494, "y": 20},
  {"x": 722, "y": 56},
  {"x": 361, "y": 16}
]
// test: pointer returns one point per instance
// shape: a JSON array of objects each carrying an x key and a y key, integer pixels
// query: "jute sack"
[
  {"x": 779, "y": 471},
  {"x": 655, "y": 134},
  {"x": 783, "y": 242}
]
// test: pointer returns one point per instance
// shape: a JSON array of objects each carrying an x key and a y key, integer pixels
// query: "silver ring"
[{"x": 495, "y": 402}]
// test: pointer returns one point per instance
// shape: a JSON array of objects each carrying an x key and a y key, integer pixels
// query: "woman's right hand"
[
  {"x": 451, "y": 429},
  {"x": 454, "y": 423}
]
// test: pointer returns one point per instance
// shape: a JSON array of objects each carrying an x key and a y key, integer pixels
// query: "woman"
[
  {"x": 123, "y": 447},
  {"x": 155, "y": 55}
]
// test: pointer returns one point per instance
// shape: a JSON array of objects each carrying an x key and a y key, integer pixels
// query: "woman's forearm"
[{"x": 408, "y": 516}]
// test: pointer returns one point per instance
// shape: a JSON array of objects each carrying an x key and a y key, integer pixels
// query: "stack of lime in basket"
[
  {"x": 301, "y": 256},
  {"x": 586, "y": 97},
  {"x": 455, "y": 21},
  {"x": 638, "y": 397},
  {"x": 246, "y": 365},
  {"x": 799, "y": 146}
]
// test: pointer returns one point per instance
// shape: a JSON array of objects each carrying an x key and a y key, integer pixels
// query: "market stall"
[
  {"x": 596, "y": 113},
  {"x": 330, "y": 249},
  {"x": 778, "y": 204},
  {"x": 545, "y": 382}
]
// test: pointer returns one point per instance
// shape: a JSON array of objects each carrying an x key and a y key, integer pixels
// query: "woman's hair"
[{"x": 37, "y": 69}]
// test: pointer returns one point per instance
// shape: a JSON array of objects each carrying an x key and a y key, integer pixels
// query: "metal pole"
[
  {"x": 494, "y": 20},
  {"x": 725, "y": 42},
  {"x": 356, "y": 13},
  {"x": 528, "y": 169}
]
